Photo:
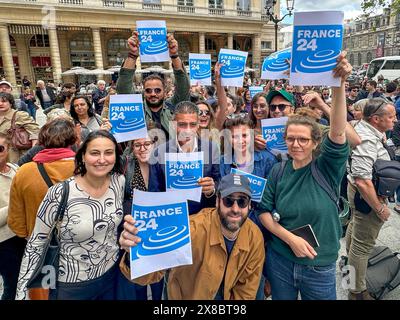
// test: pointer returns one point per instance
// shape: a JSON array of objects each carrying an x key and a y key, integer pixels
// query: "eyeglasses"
[
  {"x": 301, "y": 141},
  {"x": 261, "y": 106},
  {"x": 151, "y": 90},
  {"x": 204, "y": 112},
  {"x": 2, "y": 148},
  {"x": 355, "y": 90},
  {"x": 146, "y": 145},
  {"x": 281, "y": 107},
  {"x": 242, "y": 202},
  {"x": 236, "y": 115}
]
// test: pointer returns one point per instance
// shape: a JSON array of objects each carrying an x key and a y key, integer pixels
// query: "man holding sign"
[
  {"x": 157, "y": 108},
  {"x": 227, "y": 250},
  {"x": 186, "y": 141}
]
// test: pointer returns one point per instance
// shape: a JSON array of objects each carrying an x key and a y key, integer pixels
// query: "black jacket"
[{"x": 49, "y": 91}]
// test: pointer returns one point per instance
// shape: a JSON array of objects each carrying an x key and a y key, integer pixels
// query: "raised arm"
[
  {"x": 222, "y": 100},
  {"x": 338, "y": 119},
  {"x": 125, "y": 79}
]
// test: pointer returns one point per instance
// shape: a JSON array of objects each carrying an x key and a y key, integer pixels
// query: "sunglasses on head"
[
  {"x": 281, "y": 107},
  {"x": 151, "y": 90},
  {"x": 2, "y": 148},
  {"x": 242, "y": 202}
]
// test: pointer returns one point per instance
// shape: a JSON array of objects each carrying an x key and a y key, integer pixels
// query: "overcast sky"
[{"x": 351, "y": 8}]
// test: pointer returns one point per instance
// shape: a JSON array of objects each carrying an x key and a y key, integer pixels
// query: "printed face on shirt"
[
  {"x": 260, "y": 109},
  {"x": 154, "y": 93},
  {"x": 232, "y": 218},
  {"x": 276, "y": 112},
  {"x": 187, "y": 125},
  {"x": 299, "y": 142},
  {"x": 99, "y": 158},
  {"x": 81, "y": 107}
]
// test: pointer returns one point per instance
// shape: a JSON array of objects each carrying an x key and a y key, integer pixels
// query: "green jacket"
[{"x": 182, "y": 93}]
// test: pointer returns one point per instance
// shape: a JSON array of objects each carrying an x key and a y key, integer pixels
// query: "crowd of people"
[{"x": 242, "y": 249}]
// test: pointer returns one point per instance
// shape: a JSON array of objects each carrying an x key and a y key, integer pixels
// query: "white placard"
[
  {"x": 200, "y": 69},
  {"x": 317, "y": 42},
  {"x": 275, "y": 65},
  {"x": 232, "y": 69},
  {"x": 153, "y": 41}
]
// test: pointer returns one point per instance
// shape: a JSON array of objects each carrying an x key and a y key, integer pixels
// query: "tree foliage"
[{"x": 370, "y": 6}]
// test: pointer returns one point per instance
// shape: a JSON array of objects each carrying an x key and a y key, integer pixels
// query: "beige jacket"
[
  {"x": 5, "y": 185},
  {"x": 24, "y": 120}
]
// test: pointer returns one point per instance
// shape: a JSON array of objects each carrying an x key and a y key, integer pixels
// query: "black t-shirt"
[{"x": 229, "y": 247}]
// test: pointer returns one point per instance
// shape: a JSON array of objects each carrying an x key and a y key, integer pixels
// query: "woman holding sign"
[{"x": 293, "y": 265}]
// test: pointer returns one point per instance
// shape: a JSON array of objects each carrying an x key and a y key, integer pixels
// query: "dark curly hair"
[{"x": 80, "y": 165}]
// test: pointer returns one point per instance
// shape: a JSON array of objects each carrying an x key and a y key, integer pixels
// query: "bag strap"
[
  {"x": 13, "y": 126},
  {"x": 44, "y": 174},
  {"x": 319, "y": 177},
  {"x": 63, "y": 204}
]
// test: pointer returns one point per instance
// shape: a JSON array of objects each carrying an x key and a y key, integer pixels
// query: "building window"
[
  {"x": 210, "y": 44},
  {"x": 117, "y": 50},
  {"x": 216, "y": 4},
  {"x": 82, "y": 54},
  {"x": 39, "y": 40},
  {"x": 359, "y": 59},
  {"x": 265, "y": 45},
  {"x": 243, "y": 5},
  {"x": 12, "y": 42},
  {"x": 351, "y": 59},
  {"x": 369, "y": 56},
  {"x": 188, "y": 3}
]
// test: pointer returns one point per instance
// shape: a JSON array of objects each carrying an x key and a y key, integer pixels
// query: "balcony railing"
[
  {"x": 186, "y": 9},
  {"x": 243, "y": 13},
  {"x": 216, "y": 12},
  {"x": 114, "y": 3},
  {"x": 152, "y": 6},
  {"x": 265, "y": 18},
  {"x": 75, "y": 2}
]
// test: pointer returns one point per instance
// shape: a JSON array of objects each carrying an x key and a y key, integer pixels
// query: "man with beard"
[
  {"x": 154, "y": 87},
  {"x": 228, "y": 250}
]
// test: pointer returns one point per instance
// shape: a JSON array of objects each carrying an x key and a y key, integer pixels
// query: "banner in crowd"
[
  {"x": 126, "y": 115},
  {"x": 200, "y": 69},
  {"x": 162, "y": 219},
  {"x": 257, "y": 184},
  {"x": 254, "y": 90},
  {"x": 183, "y": 170},
  {"x": 273, "y": 130},
  {"x": 153, "y": 41},
  {"x": 276, "y": 64},
  {"x": 317, "y": 42},
  {"x": 232, "y": 71}
]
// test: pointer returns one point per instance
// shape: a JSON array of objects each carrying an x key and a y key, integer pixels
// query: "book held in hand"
[{"x": 307, "y": 233}]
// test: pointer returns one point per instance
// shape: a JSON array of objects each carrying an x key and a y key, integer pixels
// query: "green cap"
[{"x": 283, "y": 93}]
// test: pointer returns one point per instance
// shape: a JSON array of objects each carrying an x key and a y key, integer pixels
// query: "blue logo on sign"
[
  {"x": 183, "y": 175},
  {"x": 274, "y": 137},
  {"x": 199, "y": 69},
  {"x": 126, "y": 117},
  {"x": 164, "y": 229},
  {"x": 152, "y": 40},
  {"x": 277, "y": 62},
  {"x": 316, "y": 48},
  {"x": 233, "y": 66},
  {"x": 257, "y": 184}
]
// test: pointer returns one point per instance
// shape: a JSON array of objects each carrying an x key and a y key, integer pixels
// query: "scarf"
[{"x": 53, "y": 154}]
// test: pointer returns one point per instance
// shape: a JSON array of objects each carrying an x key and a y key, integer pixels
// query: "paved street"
[{"x": 389, "y": 236}]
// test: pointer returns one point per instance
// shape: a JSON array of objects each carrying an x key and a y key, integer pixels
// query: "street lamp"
[{"x": 269, "y": 4}]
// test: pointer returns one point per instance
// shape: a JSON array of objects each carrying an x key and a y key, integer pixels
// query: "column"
[
  {"x": 55, "y": 54},
  {"x": 202, "y": 42},
  {"x": 256, "y": 48},
  {"x": 24, "y": 58},
  {"x": 230, "y": 40},
  {"x": 6, "y": 53},
  {"x": 98, "y": 55}
]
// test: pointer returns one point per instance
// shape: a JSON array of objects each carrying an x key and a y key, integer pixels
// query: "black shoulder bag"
[{"x": 50, "y": 254}]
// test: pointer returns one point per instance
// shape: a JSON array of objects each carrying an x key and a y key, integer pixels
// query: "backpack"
[{"x": 341, "y": 203}]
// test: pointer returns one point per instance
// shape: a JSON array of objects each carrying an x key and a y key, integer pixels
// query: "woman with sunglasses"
[
  {"x": 293, "y": 266},
  {"x": 137, "y": 177},
  {"x": 207, "y": 128},
  {"x": 84, "y": 115}
]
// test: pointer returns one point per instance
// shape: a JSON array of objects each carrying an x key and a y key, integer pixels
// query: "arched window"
[
  {"x": 117, "y": 50},
  {"x": 247, "y": 44},
  {"x": 39, "y": 40}
]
